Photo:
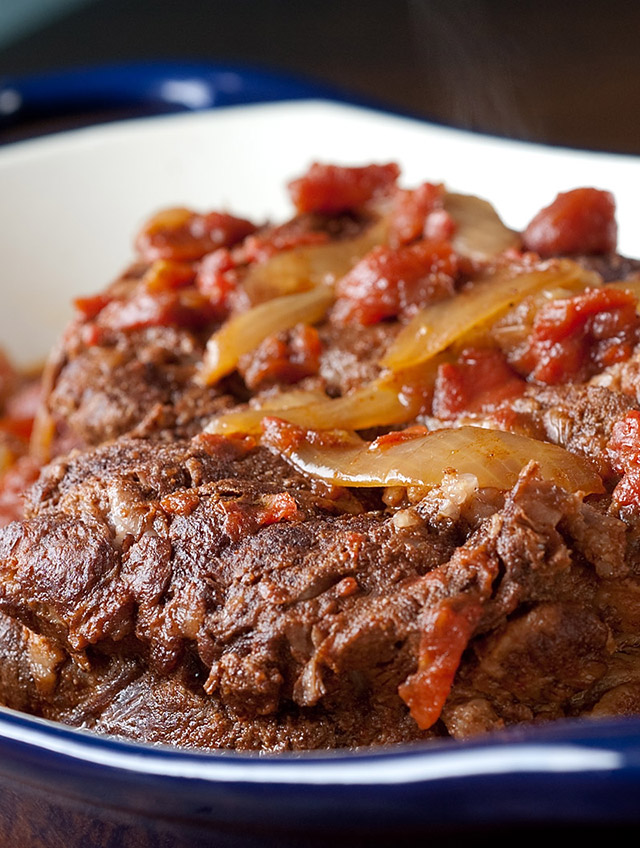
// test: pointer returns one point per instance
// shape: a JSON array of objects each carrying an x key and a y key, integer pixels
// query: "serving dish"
[{"x": 69, "y": 205}]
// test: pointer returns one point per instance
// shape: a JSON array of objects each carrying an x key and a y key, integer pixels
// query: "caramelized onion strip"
[
  {"x": 302, "y": 268},
  {"x": 494, "y": 457},
  {"x": 244, "y": 332},
  {"x": 480, "y": 233},
  {"x": 376, "y": 404},
  {"x": 438, "y": 326}
]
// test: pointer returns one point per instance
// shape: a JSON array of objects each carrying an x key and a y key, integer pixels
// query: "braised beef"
[{"x": 166, "y": 584}]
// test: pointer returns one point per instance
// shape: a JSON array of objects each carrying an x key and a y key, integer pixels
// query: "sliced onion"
[
  {"x": 376, "y": 404},
  {"x": 494, "y": 457},
  {"x": 480, "y": 234},
  {"x": 438, "y": 326},
  {"x": 243, "y": 333},
  {"x": 302, "y": 268}
]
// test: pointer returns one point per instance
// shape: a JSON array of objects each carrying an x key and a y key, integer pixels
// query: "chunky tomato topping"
[
  {"x": 624, "y": 452},
  {"x": 89, "y": 308},
  {"x": 447, "y": 631},
  {"x": 220, "y": 273},
  {"x": 330, "y": 189},
  {"x": 182, "y": 502},
  {"x": 183, "y": 235},
  {"x": 243, "y": 519},
  {"x": 478, "y": 382},
  {"x": 419, "y": 213},
  {"x": 21, "y": 428},
  {"x": 397, "y": 437},
  {"x": 575, "y": 337},
  {"x": 259, "y": 248},
  {"x": 387, "y": 283},
  {"x": 282, "y": 359},
  {"x": 217, "y": 279},
  {"x": 182, "y": 308},
  {"x": 578, "y": 221}
]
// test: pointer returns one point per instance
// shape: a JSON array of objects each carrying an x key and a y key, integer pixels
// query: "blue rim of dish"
[
  {"x": 566, "y": 771},
  {"x": 151, "y": 88}
]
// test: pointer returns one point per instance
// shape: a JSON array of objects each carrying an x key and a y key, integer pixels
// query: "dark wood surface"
[{"x": 562, "y": 72}]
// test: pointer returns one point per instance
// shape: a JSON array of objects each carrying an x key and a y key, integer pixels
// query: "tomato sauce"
[
  {"x": 186, "y": 308},
  {"x": 578, "y": 221},
  {"x": 242, "y": 519},
  {"x": 331, "y": 189},
  {"x": 419, "y": 213},
  {"x": 389, "y": 282},
  {"x": 623, "y": 449},
  {"x": 478, "y": 382},
  {"x": 574, "y": 338},
  {"x": 284, "y": 360},
  {"x": 447, "y": 632},
  {"x": 183, "y": 235}
]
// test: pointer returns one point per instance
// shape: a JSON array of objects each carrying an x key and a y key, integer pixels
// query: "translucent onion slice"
[
  {"x": 376, "y": 404},
  {"x": 438, "y": 326},
  {"x": 494, "y": 457},
  {"x": 303, "y": 268},
  {"x": 243, "y": 333},
  {"x": 481, "y": 234}
]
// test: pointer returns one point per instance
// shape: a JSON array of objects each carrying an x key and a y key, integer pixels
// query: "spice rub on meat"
[{"x": 366, "y": 477}]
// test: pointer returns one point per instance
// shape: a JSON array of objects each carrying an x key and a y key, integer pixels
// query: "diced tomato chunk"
[
  {"x": 284, "y": 360},
  {"x": 574, "y": 338},
  {"x": 419, "y": 213},
  {"x": 387, "y": 282},
  {"x": 183, "y": 235},
  {"x": 243, "y": 519},
  {"x": 329, "y": 189},
  {"x": 624, "y": 452},
  {"x": 578, "y": 221},
  {"x": 259, "y": 248},
  {"x": 19, "y": 427},
  {"x": 182, "y": 502},
  {"x": 397, "y": 437},
  {"x": 218, "y": 278},
  {"x": 90, "y": 307},
  {"x": 478, "y": 382},
  {"x": 183, "y": 308},
  {"x": 448, "y": 627}
]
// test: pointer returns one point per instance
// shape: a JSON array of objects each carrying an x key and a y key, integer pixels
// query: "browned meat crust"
[{"x": 138, "y": 555}]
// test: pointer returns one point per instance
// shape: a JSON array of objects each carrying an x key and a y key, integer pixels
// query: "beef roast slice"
[
  {"x": 284, "y": 601},
  {"x": 205, "y": 547},
  {"x": 550, "y": 636},
  {"x": 172, "y": 710},
  {"x": 140, "y": 379}
]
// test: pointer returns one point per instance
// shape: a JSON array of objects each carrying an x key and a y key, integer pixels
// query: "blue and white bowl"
[{"x": 70, "y": 204}]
